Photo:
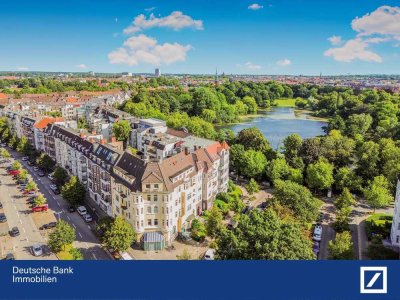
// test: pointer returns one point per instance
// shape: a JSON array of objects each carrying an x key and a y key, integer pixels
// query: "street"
[{"x": 86, "y": 241}]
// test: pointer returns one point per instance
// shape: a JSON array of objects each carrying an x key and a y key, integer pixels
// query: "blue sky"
[{"x": 239, "y": 37}]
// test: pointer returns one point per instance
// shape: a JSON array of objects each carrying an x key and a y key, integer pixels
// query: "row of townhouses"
[{"x": 172, "y": 178}]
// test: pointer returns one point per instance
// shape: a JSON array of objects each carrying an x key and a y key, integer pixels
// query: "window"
[
  {"x": 117, "y": 209},
  {"x": 149, "y": 222},
  {"x": 149, "y": 209},
  {"x": 398, "y": 226},
  {"x": 155, "y": 222},
  {"x": 147, "y": 186},
  {"x": 155, "y": 209},
  {"x": 137, "y": 224},
  {"x": 141, "y": 223},
  {"x": 137, "y": 211},
  {"x": 156, "y": 186},
  {"x": 141, "y": 210},
  {"x": 397, "y": 239},
  {"x": 148, "y": 197},
  {"x": 155, "y": 198}
]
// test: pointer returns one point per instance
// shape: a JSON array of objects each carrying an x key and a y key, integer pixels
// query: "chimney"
[
  {"x": 186, "y": 151},
  {"x": 113, "y": 139},
  {"x": 103, "y": 141}
]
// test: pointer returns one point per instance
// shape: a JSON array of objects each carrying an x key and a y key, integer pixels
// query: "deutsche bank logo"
[{"x": 373, "y": 280}]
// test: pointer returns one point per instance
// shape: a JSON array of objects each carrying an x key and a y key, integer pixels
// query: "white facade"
[{"x": 395, "y": 232}]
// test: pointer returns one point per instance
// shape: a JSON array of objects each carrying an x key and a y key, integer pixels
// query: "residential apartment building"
[
  {"x": 395, "y": 231},
  {"x": 165, "y": 196},
  {"x": 100, "y": 163}
]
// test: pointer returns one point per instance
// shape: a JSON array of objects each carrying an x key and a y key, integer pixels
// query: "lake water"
[{"x": 279, "y": 122}]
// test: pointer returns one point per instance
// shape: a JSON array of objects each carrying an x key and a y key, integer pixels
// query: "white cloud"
[
  {"x": 385, "y": 20},
  {"x": 176, "y": 21},
  {"x": 284, "y": 62},
  {"x": 22, "y": 69},
  {"x": 81, "y": 66},
  {"x": 255, "y": 6},
  {"x": 150, "y": 9},
  {"x": 353, "y": 50},
  {"x": 335, "y": 40},
  {"x": 380, "y": 26},
  {"x": 249, "y": 65},
  {"x": 144, "y": 49}
]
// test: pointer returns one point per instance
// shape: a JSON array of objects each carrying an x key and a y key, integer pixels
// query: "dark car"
[
  {"x": 72, "y": 209},
  {"x": 14, "y": 231},
  {"x": 30, "y": 200},
  {"x": 49, "y": 225},
  {"x": 263, "y": 205},
  {"x": 1, "y": 205},
  {"x": 3, "y": 218},
  {"x": 56, "y": 191},
  {"x": 10, "y": 256},
  {"x": 30, "y": 163}
]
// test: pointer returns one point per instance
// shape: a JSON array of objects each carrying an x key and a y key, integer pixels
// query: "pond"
[{"x": 279, "y": 122}]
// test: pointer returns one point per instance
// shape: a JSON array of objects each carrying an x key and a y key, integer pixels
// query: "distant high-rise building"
[{"x": 157, "y": 72}]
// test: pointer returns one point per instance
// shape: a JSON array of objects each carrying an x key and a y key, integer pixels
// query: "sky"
[{"x": 294, "y": 37}]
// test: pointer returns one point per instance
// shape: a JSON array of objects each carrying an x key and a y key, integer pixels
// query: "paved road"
[
  {"x": 85, "y": 239},
  {"x": 17, "y": 212}
]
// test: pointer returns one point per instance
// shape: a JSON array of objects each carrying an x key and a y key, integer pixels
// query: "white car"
[
  {"x": 317, "y": 233},
  {"x": 50, "y": 177},
  {"x": 209, "y": 255},
  {"x": 25, "y": 158},
  {"x": 87, "y": 218},
  {"x": 53, "y": 187},
  {"x": 37, "y": 250},
  {"x": 35, "y": 169},
  {"x": 81, "y": 210}
]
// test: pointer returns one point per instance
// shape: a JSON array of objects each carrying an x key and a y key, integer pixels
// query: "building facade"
[{"x": 395, "y": 230}]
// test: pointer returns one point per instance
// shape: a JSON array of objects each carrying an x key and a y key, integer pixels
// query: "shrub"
[
  {"x": 378, "y": 224},
  {"x": 376, "y": 250}
]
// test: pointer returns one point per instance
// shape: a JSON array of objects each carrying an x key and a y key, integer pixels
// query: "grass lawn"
[
  {"x": 285, "y": 102},
  {"x": 65, "y": 255}
]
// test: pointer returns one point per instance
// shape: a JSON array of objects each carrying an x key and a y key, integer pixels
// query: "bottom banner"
[{"x": 200, "y": 280}]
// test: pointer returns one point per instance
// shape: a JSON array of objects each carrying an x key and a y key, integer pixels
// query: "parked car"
[
  {"x": 81, "y": 210},
  {"x": 56, "y": 192},
  {"x": 14, "y": 231},
  {"x": 3, "y": 218},
  {"x": 37, "y": 250},
  {"x": 35, "y": 169},
  {"x": 232, "y": 224},
  {"x": 30, "y": 163},
  {"x": 10, "y": 256},
  {"x": 43, "y": 207},
  {"x": 22, "y": 181},
  {"x": 41, "y": 174},
  {"x": 25, "y": 158},
  {"x": 52, "y": 186},
  {"x": 1, "y": 205},
  {"x": 13, "y": 172},
  {"x": 88, "y": 218},
  {"x": 71, "y": 209},
  {"x": 317, "y": 233},
  {"x": 31, "y": 200},
  {"x": 50, "y": 177},
  {"x": 49, "y": 225},
  {"x": 209, "y": 255}
]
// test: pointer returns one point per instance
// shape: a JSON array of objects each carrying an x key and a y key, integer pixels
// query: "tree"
[
  {"x": 278, "y": 169},
  {"x": 378, "y": 193},
  {"x": 252, "y": 187},
  {"x": 23, "y": 174},
  {"x": 16, "y": 165},
  {"x": 5, "y": 154},
  {"x": 346, "y": 178},
  {"x": 320, "y": 175},
  {"x": 23, "y": 146},
  {"x": 358, "y": 124},
  {"x": 121, "y": 129},
  {"x": 213, "y": 222},
  {"x": 368, "y": 160},
  {"x": 76, "y": 254},
  {"x": 292, "y": 146},
  {"x": 298, "y": 198},
  {"x": 263, "y": 235},
  {"x": 46, "y": 162},
  {"x": 252, "y": 138},
  {"x": 73, "y": 191},
  {"x": 342, "y": 219},
  {"x": 31, "y": 186},
  {"x": 253, "y": 163},
  {"x": 338, "y": 149},
  {"x": 341, "y": 247},
  {"x": 198, "y": 230},
  {"x": 82, "y": 123},
  {"x": 62, "y": 235},
  {"x": 40, "y": 200},
  {"x": 60, "y": 176},
  {"x": 120, "y": 235},
  {"x": 345, "y": 199}
]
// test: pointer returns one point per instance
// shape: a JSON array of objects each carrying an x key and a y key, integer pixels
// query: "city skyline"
[{"x": 245, "y": 37}]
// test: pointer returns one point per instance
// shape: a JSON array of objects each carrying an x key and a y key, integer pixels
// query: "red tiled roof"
[{"x": 47, "y": 120}]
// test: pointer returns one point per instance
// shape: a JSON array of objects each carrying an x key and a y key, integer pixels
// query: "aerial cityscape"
[{"x": 261, "y": 130}]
